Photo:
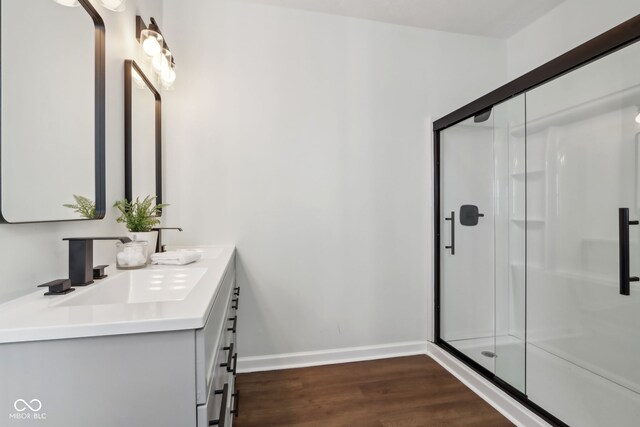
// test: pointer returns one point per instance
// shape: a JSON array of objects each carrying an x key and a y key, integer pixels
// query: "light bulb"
[
  {"x": 151, "y": 46},
  {"x": 638, "y": 117},
  {"x": 151, "y": 42},
  {"x": 162, "y": 61},
  {"x": 168, "y": 77},
  {"x": 69, "y": 3},
  {"x": 114, "y": 5}
]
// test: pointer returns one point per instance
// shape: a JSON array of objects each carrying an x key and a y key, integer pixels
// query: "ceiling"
[{"x": 492, "y": 18}]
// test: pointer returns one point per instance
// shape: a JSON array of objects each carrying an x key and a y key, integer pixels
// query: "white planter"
[{"x": 151, "y": 237}]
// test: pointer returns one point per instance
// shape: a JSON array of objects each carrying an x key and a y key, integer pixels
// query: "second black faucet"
[{"x": 81, "y": 258}]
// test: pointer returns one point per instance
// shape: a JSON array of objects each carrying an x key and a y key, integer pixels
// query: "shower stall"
[{"x": 537, "y": 209}]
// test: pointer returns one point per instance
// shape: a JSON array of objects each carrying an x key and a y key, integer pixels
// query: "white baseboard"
[
  {"x": 330, "y": 357},
  {"x": 501, "y": 401}
]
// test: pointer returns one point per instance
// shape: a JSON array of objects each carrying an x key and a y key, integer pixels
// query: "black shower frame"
[{"x": 611, "y": 41}]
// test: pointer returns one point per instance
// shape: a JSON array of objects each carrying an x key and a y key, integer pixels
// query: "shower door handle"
[
  {"x": 623, "y": 246},
  {"x": 453, "y": 233}
]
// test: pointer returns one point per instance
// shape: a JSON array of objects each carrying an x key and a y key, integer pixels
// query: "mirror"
[
  {"x": 143, "y": 139},
  {"x": 52, "y": 110}
]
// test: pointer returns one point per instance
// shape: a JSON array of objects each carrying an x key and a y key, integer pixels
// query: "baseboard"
[
  {"x": 329, "y": 357},
  {"x": 501, "y": 401}
]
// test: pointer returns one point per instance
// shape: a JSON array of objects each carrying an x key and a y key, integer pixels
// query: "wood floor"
[{"x": 400, "y": 392}]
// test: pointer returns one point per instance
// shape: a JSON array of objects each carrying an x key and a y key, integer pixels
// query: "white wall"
[
  {"x": 35, "y": 254},
  {"x": 303, "y": 138},
  {"x": 570, "y": 24}
]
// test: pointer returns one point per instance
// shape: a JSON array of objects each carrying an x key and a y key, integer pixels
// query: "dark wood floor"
[{"x": 401, "y": 392}]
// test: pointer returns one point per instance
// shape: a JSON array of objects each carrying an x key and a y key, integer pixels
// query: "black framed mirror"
[
  {"x": 143, "y": 135},
  {"x": 52, "y": 121}
]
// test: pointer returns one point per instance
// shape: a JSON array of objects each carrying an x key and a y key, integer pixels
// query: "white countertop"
[{"x": 36, "y": 317}]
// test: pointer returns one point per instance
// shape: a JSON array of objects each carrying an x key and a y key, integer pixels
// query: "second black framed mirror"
[{"x": 143, "y": 135}]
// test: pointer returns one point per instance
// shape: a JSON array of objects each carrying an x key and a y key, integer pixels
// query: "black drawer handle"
[
  {"x": 229, "y": 358},
  {"x": 235, "y": 323},
  {"x": 236, "y": 291},
  {"x": 235, "y": 301},
  {"x": 236, "y": 403},
  {"x": 235, "y": 363},
  {"x": 223, "y": 407}
]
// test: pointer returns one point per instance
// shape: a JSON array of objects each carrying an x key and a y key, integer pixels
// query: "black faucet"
[
  {"x": 159, "y": 246},
  {"x": 81, "y": 258}
]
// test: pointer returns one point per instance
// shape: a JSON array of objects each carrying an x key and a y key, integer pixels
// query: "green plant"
[
  {"x": 85, "y": 207},
  {"x": 139, "y": 216}
]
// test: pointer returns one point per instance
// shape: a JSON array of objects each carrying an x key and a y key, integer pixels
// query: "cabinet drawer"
[
  {"x": 226, "y": 360},
  {"x": 233, "y": 400},
  {"x": 232, "y": 313},
  {"x": 221, "y": 397},
  {"x": 217, "y": 407},
  {"x": 233, "y": 405},
  {"x": 209, "y": 338}
]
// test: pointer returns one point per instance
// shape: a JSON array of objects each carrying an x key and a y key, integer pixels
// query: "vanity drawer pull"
[
  {"x": 223, "y": 407},
  {"x": 236, "y": 291},
  {"x": 235, "y": 364},
  {"x": 236, "y": 403},
  {"x": 229, "y": 358},
  {"x": 235, "y": 301},
  {"x": 235, "y": 323}
]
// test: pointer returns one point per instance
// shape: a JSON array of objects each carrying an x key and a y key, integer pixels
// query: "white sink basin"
[{"x": 138, "y": 286}]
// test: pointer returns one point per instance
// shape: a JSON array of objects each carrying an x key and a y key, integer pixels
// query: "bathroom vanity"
[{"x": 152, "y": 347}]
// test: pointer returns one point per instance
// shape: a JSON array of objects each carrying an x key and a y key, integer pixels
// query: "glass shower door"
[
  {"x": 583, "y": 141},
  {"x": 467, "y": 271},
  {"x": 482, "y": 229}
]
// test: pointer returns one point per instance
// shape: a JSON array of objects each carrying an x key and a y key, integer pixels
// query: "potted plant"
[
  {"x": 85, "y": 207},
  {"x": 140, "y": 217}
]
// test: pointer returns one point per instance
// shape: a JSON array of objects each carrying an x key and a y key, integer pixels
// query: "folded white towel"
[{"x": 175, "y": 257}]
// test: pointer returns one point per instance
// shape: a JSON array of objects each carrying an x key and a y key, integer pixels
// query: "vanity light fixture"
[
  {"x": 114, "y": 5},
  {"x": 638, "y": 117},
  {"x": 69, "y": 3},
  {"x": 155, "y": 47}
]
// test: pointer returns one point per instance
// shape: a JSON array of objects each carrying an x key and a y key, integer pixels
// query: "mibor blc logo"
[{"x": 28, "y": 410}]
